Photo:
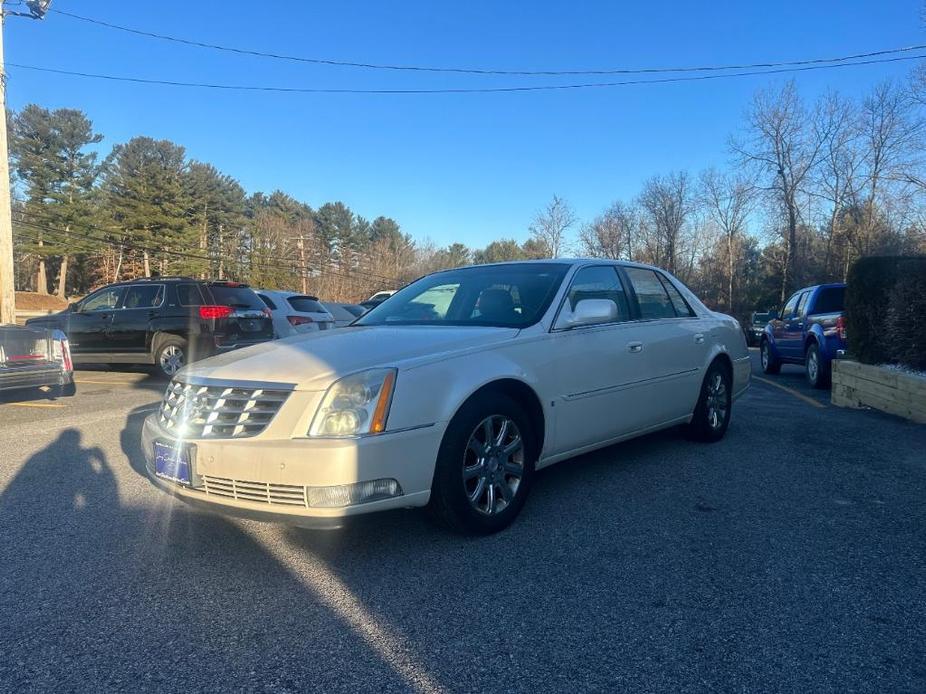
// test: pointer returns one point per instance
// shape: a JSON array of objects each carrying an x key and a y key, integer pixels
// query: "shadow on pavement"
[{"x": 100, "y": 593}]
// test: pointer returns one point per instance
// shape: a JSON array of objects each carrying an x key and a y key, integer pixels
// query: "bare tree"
[
  {"x": 551, "y": 224},
  {"x": 610, "y": 235},
  {"x": 668, "y": 201},
  {"x": 728, "y": 200},
  {"x": 836, "y": 181},
  {"x": 890, "y": 133},
  {"x": 783, "y": 148}
]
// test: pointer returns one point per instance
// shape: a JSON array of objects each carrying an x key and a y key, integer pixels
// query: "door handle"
[
  {"x": 699, "y": 339},
  {"x": 634, "y": 347}
]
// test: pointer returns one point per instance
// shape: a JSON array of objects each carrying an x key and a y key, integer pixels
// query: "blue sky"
[{"x": 467, "y": 168}]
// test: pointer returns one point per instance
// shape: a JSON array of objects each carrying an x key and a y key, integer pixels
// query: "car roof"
[{"x": 566, "y": 261}]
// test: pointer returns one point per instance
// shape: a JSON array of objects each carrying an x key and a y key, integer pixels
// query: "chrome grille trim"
[
  {"x": 261, "y": 492},
  {"x": 219, "y": 411}
]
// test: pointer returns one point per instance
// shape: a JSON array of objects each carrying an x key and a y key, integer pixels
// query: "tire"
[
  {"x": 66, "y": 390},
  {"x": 715, "y": 405},
  {"x": 818, "y": 375},
  {"x": 770, "y": 363},
  {"x": 171, "y": 355},
  {"x": 478, "y": 494}
]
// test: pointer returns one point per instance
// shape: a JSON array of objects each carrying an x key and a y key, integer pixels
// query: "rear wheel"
[
  {"x": 485, "y": 466},
  {"x": 770, "y": 363},
  {"x": 818, "y": 375},
  {"x": 715, "y": 404},
  {"x": 170, "y": 356}
]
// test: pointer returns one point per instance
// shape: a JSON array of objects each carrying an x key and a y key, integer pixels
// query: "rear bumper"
[{"x": 33, "y": 377}]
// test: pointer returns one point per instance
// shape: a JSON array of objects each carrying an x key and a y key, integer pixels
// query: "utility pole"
[
  {"x": 37, "y": 10},
  {"x": 7, "y": 295}
]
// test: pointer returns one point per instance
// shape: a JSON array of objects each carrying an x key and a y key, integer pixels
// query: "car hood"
[{"x": 315, "y": 360}]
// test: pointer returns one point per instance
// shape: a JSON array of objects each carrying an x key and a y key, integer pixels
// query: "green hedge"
[{"x": 884, "y": 316}]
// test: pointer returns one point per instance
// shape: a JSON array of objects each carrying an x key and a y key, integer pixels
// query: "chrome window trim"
[{"x": 142, "y": 308}]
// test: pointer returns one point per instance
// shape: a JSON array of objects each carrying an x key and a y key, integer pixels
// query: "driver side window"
[{"x": 103, "y": 300}]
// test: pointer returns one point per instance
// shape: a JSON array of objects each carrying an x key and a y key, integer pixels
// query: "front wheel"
[
  {"x": 770, "y": 363},
  {"x": 715, "y": 404},
  {"x": 484, "y": 467}
]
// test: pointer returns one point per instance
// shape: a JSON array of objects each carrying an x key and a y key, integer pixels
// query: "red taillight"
[
  {"x": 299, "y": 320},
  {"x": 267, "y": 313},
  {"x": 841, "y": 327},
  {"x": 209, "y": 312}
]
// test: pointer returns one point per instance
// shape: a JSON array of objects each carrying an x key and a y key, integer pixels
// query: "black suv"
[{"x": 165, "y": 321}]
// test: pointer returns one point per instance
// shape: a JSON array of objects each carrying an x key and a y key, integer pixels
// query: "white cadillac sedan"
[{"x": 451, "y": 394}]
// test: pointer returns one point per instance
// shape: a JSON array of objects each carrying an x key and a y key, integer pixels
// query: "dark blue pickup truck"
[{"x": 811, "y": 331}]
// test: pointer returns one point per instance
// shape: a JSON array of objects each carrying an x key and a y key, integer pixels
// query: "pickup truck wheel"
[
  {"x": 170, "y": 356},
  {"x": 817, "y": 375},
  {"x": 715, "y": 404},
  {"x": 484, "y": 467},
  {"x": 770, "y": 363}
]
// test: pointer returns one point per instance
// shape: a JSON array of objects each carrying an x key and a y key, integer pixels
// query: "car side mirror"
[
  {"x": 74, "y": 307},
  {"x": 591, "y": 312}
]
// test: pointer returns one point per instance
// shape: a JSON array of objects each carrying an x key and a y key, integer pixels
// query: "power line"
[
  {"x": 480, "y": 71},
  {"x": 463, "y": 90},
  {"x": 47, "y": 218},
  {"x": 44, "y": 216},
  {"x": 368, "y": 278}
]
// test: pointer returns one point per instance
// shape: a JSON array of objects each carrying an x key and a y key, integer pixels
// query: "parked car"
[
  {"x": 810, "y": 331},
  {"x": 450, "y": 395},
  {"x": 756, "y": 328},
  {"x": 377, "y": 299},
  {"x": 295, "y": 314},
  {"x": 344, "y": 314},
  {"x": 32, "y": 357},
  {"x": 164, "y": 321}
]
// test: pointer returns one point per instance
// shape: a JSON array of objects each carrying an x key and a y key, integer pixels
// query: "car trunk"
[
  {"x": 21, "y": 348},
  {"x": 248, "y": 321}
]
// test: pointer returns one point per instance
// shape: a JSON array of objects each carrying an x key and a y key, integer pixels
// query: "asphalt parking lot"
[{"x": 789, "y": 557}]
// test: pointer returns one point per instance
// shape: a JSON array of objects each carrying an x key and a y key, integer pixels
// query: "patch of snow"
[{"x": 900, "y": 368}]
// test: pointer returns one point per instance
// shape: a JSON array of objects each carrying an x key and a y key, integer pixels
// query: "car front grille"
[
  {"x": 218, "y": 412},
  {"x": 262, "y": 492}
]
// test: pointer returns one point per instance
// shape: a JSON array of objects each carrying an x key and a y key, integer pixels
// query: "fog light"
[{"x": 353, "y": 494}]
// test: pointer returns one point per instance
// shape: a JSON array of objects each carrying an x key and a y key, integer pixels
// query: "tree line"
[{"x": 809, "y": 188}]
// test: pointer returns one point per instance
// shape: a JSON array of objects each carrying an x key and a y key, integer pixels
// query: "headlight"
[{"x": 357, "y": 404}]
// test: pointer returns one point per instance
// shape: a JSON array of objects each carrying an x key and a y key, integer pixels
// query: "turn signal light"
[{"x": 210, "y": 312}]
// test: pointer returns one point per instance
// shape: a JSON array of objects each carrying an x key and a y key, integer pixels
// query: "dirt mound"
[{"x": 30, "y": 301}]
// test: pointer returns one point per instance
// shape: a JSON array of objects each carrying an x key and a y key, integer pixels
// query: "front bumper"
[{"x": 268, "y": 463}]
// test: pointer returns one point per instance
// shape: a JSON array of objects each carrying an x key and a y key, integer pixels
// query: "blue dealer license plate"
[{"x": 172, "y": 462}]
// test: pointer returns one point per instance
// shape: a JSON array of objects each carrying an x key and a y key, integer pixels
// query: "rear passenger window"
[
  {"x": 682, "y": 309},
  {"x": 143, "y": 296},
  {"x": 267, "y": 300},
  {"x": 189, "y": 295},
  {"x": 599, "y": 282},
  {"x": 651, "y": 294},
  {"x": 802, "y": 304}
]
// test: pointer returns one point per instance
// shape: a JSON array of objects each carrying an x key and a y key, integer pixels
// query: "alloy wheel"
[
  {"x": 764, "y": 355},
  {"x": 493, "y": 464},
  {"x": 813, "y": 365},
  {"x": 171, "y": 360},
  {"x": 717, "y": 404}
]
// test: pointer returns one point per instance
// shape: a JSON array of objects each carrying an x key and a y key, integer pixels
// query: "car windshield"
[{"x": 509, "y": 295}]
